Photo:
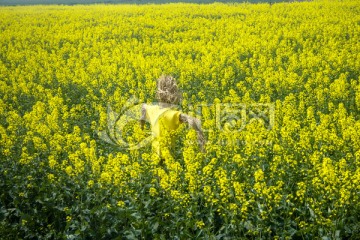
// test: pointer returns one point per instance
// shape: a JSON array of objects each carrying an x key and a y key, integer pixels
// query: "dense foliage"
[{"x": 276, "y": 87}]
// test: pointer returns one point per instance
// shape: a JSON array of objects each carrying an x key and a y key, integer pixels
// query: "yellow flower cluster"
[{"x": 276, "y": 87}]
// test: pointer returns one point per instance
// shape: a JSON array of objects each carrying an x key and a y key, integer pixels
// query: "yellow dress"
[{"x": 163, "y": 121}]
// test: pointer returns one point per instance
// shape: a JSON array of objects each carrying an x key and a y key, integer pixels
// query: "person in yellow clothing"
[{"x": 163, "y": 119}]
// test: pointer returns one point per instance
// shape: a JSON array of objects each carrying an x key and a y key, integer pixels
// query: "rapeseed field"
[{"x": 276, "y": 88}]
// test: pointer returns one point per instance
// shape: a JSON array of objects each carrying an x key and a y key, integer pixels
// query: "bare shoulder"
[
  {"x": 143, "y": 111},
  {"x": 145, "y": 107},
  {"x": 183, "y": 117},
  {"x": 189, "y": 119}
]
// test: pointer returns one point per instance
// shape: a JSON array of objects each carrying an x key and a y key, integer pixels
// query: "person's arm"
[
  {"x": 143, "y": 116},
  {"x": 196, "y": 125}
]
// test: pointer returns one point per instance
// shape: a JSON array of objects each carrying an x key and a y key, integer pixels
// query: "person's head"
[{"x": 167, "y": 90}]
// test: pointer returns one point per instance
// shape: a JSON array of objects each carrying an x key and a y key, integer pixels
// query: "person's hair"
[{"x": 167, "y": 90}]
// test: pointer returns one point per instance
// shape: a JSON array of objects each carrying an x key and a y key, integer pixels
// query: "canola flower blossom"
[{"x": 293, "y": 174}]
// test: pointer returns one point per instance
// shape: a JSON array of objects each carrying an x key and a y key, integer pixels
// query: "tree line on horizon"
[{"x": 74, "y": 2}]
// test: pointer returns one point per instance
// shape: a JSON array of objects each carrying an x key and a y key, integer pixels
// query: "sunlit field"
[{"x": 276, "y": 88}]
